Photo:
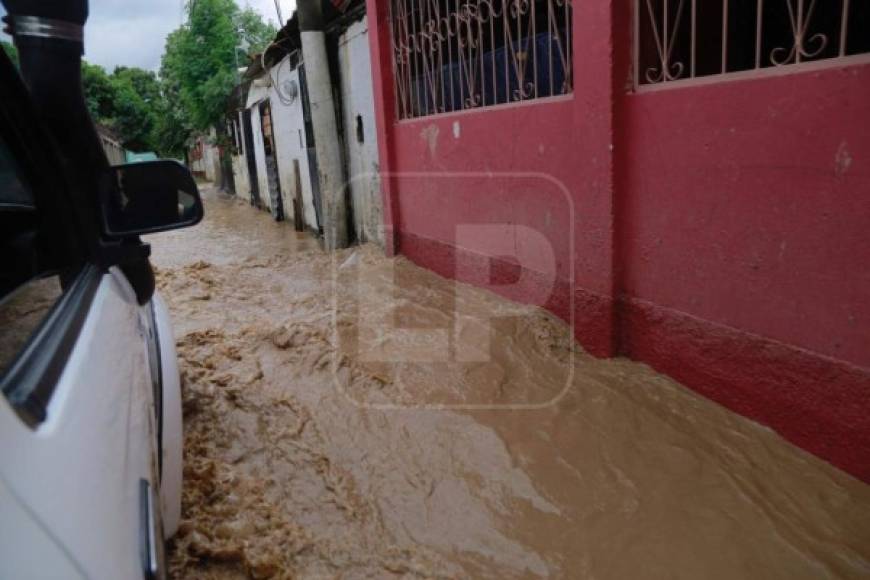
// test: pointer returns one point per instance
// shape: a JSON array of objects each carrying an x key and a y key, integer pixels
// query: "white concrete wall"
[
  {"x": 240, "y": 165},
  {"x": 325, "y": 124},
  {"x": 362, "y": 158},
  {"x": 210, "y": 157},
  {"x": 240, "y": 174},
  {"x": 257, "y": 93},
  {"x": 288, "y": 126},
  {"x": 114, "y": 152},
  {"x": 200, "y": 165}
]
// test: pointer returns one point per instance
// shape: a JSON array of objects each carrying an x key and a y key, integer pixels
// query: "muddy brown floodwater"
[{"x": 353, "y": 416}]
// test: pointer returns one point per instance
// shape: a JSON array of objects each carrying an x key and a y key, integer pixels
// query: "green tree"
[
  {"x": 201, "y": 56},
  {"x": 99, "y": 92},
  {"x": 143, "y": 82},
  {"x": 254, "y": 31},
  {"x": 136, "y": 96},
  {"x": 10, "y": 51},
  {"x": 127, "y": 101},
  {"x": 173, "y": 125}
]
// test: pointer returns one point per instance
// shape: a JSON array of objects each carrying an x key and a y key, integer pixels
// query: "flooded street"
[{"x": 353, "y": 416}]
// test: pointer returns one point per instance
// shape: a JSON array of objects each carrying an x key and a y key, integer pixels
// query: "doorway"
[
  {"x": 311, "y": 150},
  {"x": 271, "y": 155},
  {"x": 250, "y": 159}
]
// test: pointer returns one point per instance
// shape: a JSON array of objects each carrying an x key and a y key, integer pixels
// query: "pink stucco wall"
[{"x": 717, "y": 232}]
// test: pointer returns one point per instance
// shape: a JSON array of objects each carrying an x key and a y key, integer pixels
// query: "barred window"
[
  {"x": 450, "y": 55},
  {"x": 677, "y": 40}
]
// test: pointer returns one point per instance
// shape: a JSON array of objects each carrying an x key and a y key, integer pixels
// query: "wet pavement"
[{"x": 353, "y": 416}]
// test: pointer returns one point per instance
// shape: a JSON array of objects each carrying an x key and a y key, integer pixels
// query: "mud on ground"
[{"x": 353, "y": 416}]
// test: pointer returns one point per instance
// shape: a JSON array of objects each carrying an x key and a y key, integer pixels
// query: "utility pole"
[
  {"x": 329, "y": 162},
  {"x": 236, "y": 57}
]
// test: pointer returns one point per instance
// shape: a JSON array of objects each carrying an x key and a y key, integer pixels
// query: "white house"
[
  {"x": 360, "y": 136},
  {"x": 276, "y": 164},
  {"x": 288, "y": 117}
]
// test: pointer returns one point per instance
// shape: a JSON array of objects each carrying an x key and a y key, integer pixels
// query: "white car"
[{"x": 90, "y": 417}]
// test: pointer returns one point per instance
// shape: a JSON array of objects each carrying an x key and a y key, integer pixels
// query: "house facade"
[
  {"x": 360, "y": 134},
  {"x": 275, "y": 161},
  {"x": 686, "y": 186},
  {"x": 204, "y": 156}
]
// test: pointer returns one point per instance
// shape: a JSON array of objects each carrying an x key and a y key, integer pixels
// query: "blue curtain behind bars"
[{"x": 494, "y": 89}]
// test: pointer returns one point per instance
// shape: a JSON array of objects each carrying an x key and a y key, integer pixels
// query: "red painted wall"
[
  {"x": 720, "y": 233},
  {"x": 745, "y": 222},
  {"x": 535, "y": 170},
  {"x": 748, "y": 204},
  {"x": 436, "y": 180}
]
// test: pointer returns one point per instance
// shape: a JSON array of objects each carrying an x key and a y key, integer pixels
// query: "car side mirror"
[{"x": 148, "y": 197}]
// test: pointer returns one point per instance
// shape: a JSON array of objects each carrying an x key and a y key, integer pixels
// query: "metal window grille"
[
  {"x": 450, "y": 55},
  {"x": 677, "y": 40}
]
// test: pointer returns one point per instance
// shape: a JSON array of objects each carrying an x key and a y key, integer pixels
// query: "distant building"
[
  {"x": 270, "y": 121},
  {"x": 133, "y": 157},
  {"x": 204, "y": 157},
  {"x": 115, "y": 152}
]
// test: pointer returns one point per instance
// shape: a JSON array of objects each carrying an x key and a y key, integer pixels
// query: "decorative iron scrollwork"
[
  {"x": 677, "y": 40},
  {"x": 460, "y": 54}
]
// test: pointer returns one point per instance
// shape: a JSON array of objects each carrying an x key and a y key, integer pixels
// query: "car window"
[
  {"x": 22, "y": 311},
  {"x": 26, "y": 293},
  {"x": 19, "y": 225},
  {"x": 46, "y": 281},
  {"x": 13, "y": 191}
]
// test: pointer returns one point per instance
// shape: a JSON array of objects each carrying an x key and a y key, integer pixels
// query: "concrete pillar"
[
  {"x": 329, "y": 162},
  {"x": 385, "y": 111}
]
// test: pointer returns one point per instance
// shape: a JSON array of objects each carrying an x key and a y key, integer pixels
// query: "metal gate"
[
  {"x": 249, "y": 157},
  {"x": 311, "y": 151}
]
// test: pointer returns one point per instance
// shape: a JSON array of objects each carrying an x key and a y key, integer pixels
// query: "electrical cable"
[{"x": 275, "y": 81}]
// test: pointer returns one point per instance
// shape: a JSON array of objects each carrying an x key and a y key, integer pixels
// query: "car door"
[{"x": 78, "y": 462}]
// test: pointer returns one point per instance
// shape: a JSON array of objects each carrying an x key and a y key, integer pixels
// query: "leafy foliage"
[
  {"x": 173, "y": 122},
  {"x": 10, "y": 51},
  {"x": 99, "y": 92},
  {"x": 127, "y": 101},
  {"x": 200, "y": 60},
  {"x": 137, "y": 96},
  {"x": 255, "y": 34}
]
